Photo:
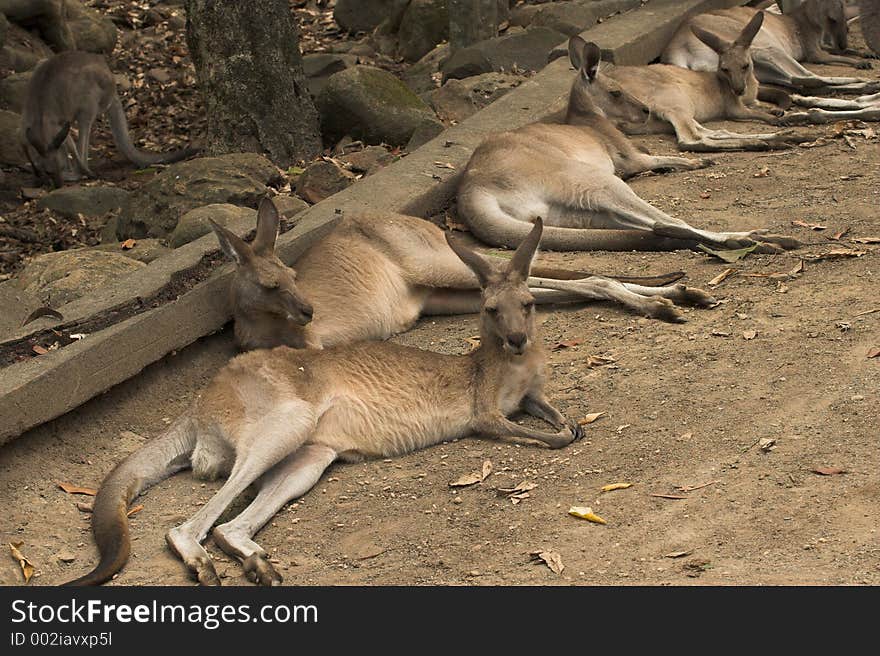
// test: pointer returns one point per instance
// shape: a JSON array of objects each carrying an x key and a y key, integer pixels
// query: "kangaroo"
[
  {"x": 377, "y": 273},
  {"x": 829, "y": 110},
  {"x": 681, "y": 99},
  {"x": 280, "y": 417},
  {"x": 76, "y": 87},
  {"x": 568, "y": 174},
  {"x": 782, "y": 43}
]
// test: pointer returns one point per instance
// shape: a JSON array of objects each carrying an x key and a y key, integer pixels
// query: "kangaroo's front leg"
[
  {"x": 537, "y": 405},
  {"x": 498, "y": 425}
]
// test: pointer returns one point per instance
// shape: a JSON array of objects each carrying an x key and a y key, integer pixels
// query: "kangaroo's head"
[
  {"x": 45, "y": 154},
  {"x": 263, "y": 285},
  {"x": 827, "y": 18},
  {"x": 507, "y": 310},
  {"x": 593, "y": 93},
  {"x": 735, "y": 66}
]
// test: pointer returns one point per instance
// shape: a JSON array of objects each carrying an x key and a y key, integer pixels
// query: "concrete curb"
[{"x": 42, "y": 388}]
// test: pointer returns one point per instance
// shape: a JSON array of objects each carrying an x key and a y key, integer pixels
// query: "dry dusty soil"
[{"x": 686, "y": 406}]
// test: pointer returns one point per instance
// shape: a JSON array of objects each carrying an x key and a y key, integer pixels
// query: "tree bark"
[
  {"x": 249, "y": 70},
  {"x": 471, "y": 21}
]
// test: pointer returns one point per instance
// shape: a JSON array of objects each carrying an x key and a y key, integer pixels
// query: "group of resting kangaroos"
[{"x": 318, "y": 384}]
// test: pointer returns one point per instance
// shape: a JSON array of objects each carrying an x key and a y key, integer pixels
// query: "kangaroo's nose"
[
  {"x": 307, "y": 311},
  {"x": 517, "y": 340}
]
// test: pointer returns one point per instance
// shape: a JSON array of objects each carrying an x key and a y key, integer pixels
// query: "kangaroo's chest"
[{"x": 517, "y": 382}]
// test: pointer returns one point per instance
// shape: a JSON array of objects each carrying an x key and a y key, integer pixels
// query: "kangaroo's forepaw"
[
  {"x": 864, "y": 65},
  {"x": 203, "y": 571},
  {"x": 577, "y": 431},
  {"x": 259, "y": 570},
  {"x": 663, "y": 309}
]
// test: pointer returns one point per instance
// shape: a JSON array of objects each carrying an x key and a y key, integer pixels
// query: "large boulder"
[
  {"x": 155, "y": 208},
  {"x": 62, "y": 277},
  {"x": 369, "y": 160},
  {"x": 526, "y": 50},
  {"x": 425, "y": 74},
  {"x": 88, "y": 201},
  {"x": 92, "y": 31},
  {"x": 13, "y": 89},
  {"x": 458, "y": 99},
  {"x": 323, "y": 179},
  {"x": 195, "y": 224},
  {"x": 572, "y": 18},
  {"x": 425, "y": 23},
  {"x": 364, "y": 15},
  {"x": 11, "y": 153},
  {"x": 372, "y": 105},
  {"x": 142, "y": 250},
  {"x": 22, "y": 50}
]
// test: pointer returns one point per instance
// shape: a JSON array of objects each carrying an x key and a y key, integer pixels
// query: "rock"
[
  {"x": 458, "y": 99},
  {"x": 89, "y": 201},
  {"x": 425, "y": 23},
  {"x": 176, "y": 22},
  {"x": 12, "y": 91},
  {"x": 362, "y": 50},
  {"x": 161, "y": 75},
  {"x": 572, "y": 18},
  {"x": 369, "y": 160},
  {"x": 426, "y": 131},
  {"x": 22, "y": 50},
  {"x": 65, "y": 556},
  {"x": 143, "y": 250},
  {"x": 521, "y": 15},
  {"x": 154, "y": 209},
  {"x": 319, "y": 66},
  {"x": 424, "y": 75},
  {"x": 59, "y": 278},
  {"x": 372, "y": 105},
  {"x": 289, "y": 206},
  {"x": 194, "y": 224},
  {"x": 364, "y": 15},
  {"x": 4, "y": 29},
  {"x": 11, "y": 153},
  {"x": 323, "y": 179},
  {"x": 525, "y": 50},
  {"x": 92, "y": 31}
]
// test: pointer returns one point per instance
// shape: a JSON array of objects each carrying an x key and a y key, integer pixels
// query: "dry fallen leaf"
[
  {"x": 476, "y": 477},
  {"x": 721, "y": 277},
  {"x": 590, "y": 418},
  {"x": 811, "y": 226},
  {"x": 798, "y": 268},
  {"x": 27, "y": 568},
  {"x": 691, "y": 488},
  {"x": 525, "y": 486},
  {"x": 552, "y": 559},
  {"x": 558, "y": 346},
  {"x": 767, "y": 444},
  {"x": 837, "y": 253},
  {"x": 679, "y": 554},
  {"x": 763, "y": 173},
  {"x": 867, "y": 240},
  {"x": 128, "y": 244},
  {"x": 615, "y": 486},
  {"x": 135, "y": 510},
  {"x": 586, "y": 513},
  {"x": 750, "y": 334},
  {"x": 76, "y": 489},
  {"x": 473, "y": 341},
  {"x": 666, "y": 496},
  {"x": 39, "y": 350},
  {"x": 873, "y": 353},
  {"x": 828, "y": 471},
  {"x": 600, "y": 361}
]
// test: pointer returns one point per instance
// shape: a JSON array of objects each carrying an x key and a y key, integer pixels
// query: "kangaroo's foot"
[
  {"x": 691, "y": 296},
  {"x": 194, "y": 556},
  {"x": 259, "y": 570},
  {"x": 663, "y": 309}
]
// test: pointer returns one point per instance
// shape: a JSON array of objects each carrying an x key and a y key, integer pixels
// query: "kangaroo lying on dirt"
[
  {"x": 829, "y": 110},
  {"x": 568, "y": 174},
  {"x": 681, "y": 99},
  {"x": 377, "y": 273},
  {"x": 75, "y": 88},
  {"x": 280, "y": 417},
  {"x": 782, "y": 43}
]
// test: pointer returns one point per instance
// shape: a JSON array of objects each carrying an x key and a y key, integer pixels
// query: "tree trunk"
[
  {"x": 471, "y": 21},
  {"x": 249, "y": 69}
]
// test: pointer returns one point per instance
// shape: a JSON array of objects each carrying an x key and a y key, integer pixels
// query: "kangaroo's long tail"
[{"x": 141, "y": 158}]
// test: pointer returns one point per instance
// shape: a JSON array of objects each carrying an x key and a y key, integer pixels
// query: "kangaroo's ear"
[
  {"x": 32, "y": 140},
  {"x": 267, "y": 228},
  {"x": 585, "y": 57},
  {"x": 233, "y": 245},
  {"x": 576, "y": 51},
  {"x": 750, "y": 31},
  {"x": 477, "y": 263},
  {"x": 717, "y": 43},
  {"x": 60, "y": 137},
  {"x": 521, "y": 262}
]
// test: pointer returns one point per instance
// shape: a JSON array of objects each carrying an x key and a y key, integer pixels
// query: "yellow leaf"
[
  {"x": 27, "y": 568},
  {"x": 616, "y": 486},
  {"x": 586, "y": 513},
  {"x": 590, "y": 418}
]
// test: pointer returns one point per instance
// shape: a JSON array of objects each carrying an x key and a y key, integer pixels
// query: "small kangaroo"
[
  {"x": 377, "y": 273},
  {"x": 280, "y": 417},
  {"x": 568, "y": 174},
  {"x": 681, "y": 99},
  {"x": 75, "y": 88},
  {"x": 782, "y": 43}
]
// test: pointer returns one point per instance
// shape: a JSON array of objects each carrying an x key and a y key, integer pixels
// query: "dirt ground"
[{"x": 685, "y": 405}]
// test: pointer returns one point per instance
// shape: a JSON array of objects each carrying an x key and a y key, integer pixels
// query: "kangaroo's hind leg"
[
  {"x": 262, "y": 443},
  {"x": 289, "y": 479}
]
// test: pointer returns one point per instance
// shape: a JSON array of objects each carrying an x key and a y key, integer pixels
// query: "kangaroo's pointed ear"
[
  {"x": 233, "y": 245},
  {"x": 521, "y": 262},
  {"x": 576, "y": 51},
  {"x": 717, "y": 43},
  {"x": 60, "y": 137},
  {"x": 267, "y": 228},
  {"x": 592, "y": 58},
  {"x": 477, "y": 263},
  {"x": 750, "y": 31}
]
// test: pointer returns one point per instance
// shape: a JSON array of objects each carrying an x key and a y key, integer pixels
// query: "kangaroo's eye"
[
  {"x": 725, "y": 70},
  {"x": 746, "y": 67},
  {"x": 529, "y": 305},
  {"x": 616, "y": 93},
  {"x": 491, "y": 310}
]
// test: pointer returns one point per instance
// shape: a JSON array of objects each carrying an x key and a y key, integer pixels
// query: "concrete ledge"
[{"x": 42, "y": 388}]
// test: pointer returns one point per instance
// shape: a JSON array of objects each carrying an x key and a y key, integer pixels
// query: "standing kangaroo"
[
  {"x": 75, "y": 88},
  {"x": 377, "y": 273},
  {"x": 782, "y": 43},
  {"x": 280, "y": 417},
  {"x": 681, "y": 99},
  {"x": 568, "y": 174}
]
